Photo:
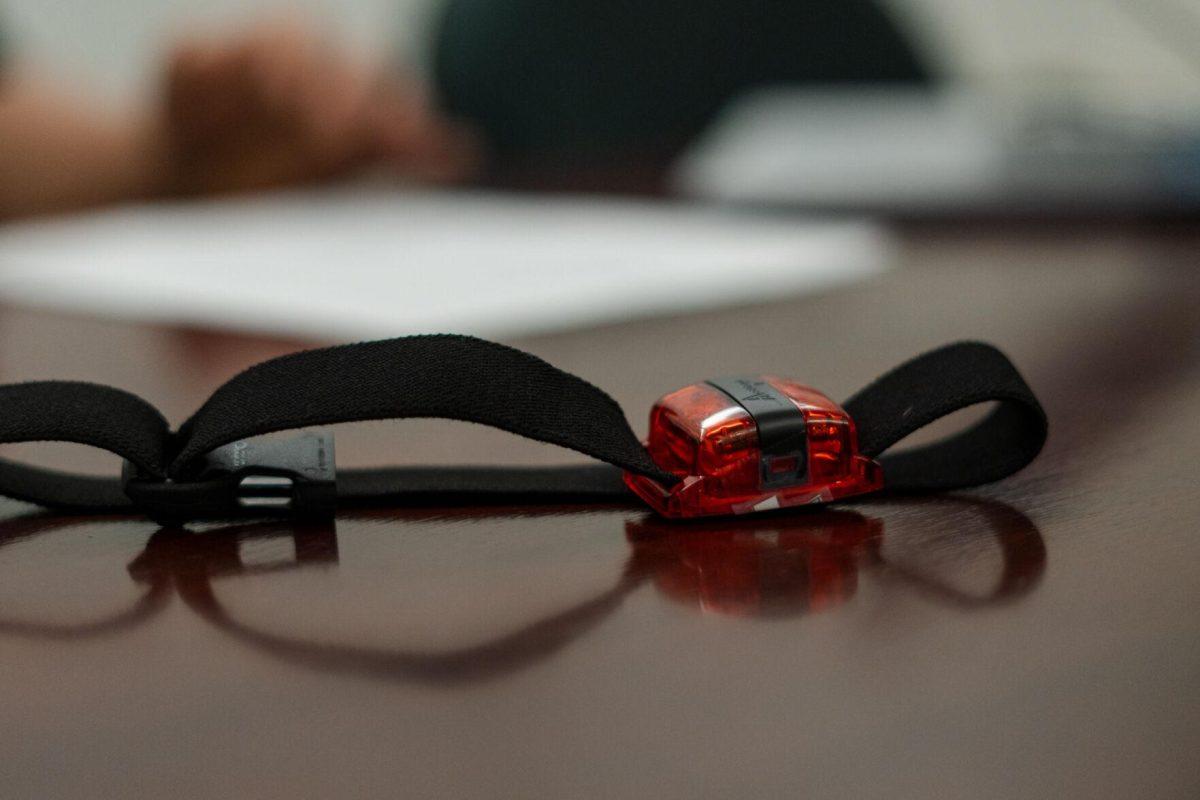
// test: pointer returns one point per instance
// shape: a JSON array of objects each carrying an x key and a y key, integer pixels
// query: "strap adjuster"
[{"x": 296, "y": 475}]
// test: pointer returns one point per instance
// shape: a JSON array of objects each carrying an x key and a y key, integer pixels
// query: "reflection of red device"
[
  {"x": 749, "y": 568},
  {"x": 749, "y": 444}
]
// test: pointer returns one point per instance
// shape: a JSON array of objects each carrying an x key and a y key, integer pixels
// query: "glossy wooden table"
[{"x": 1038, "y": 638}]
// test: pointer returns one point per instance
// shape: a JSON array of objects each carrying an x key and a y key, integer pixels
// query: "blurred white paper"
[{"x": 346, "y": 264}]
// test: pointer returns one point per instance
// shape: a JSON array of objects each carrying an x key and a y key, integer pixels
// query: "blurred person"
[
  {"x": 601, "y": 88},
  {"x": 273, "y": 107}
]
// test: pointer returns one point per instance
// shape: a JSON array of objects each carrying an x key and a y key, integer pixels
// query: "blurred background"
[
  {"x": 1141, "y": 52},
  {"x": 576, "y": 162}
]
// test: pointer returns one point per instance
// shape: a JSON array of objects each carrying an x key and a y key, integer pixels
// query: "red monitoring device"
[{"x": 749, "y": 444}]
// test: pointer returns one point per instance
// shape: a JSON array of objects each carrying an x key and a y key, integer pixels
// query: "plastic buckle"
[
  {"x": 747, "y": 444},
  {"x": 274, "y": 475}
]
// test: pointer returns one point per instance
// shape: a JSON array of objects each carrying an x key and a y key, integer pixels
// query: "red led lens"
[{"x": 713, "y": 442}]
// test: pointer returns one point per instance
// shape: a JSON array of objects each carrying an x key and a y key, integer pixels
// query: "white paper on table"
[{"x": 362, "y": 263}]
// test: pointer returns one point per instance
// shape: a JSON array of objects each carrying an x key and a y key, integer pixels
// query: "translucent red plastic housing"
[{"x": 707, "y": 435}]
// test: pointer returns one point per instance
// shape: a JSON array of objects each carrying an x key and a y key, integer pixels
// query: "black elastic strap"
[
  {"x": 463, "y": 378},
  {"x": 934, "y": 385}
]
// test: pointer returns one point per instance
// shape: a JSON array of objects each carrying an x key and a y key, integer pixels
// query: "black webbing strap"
[
  {"x": 463, "y": 378},
  {"x": 450, "y": 377},
  {"x": 584, "y": 483}
]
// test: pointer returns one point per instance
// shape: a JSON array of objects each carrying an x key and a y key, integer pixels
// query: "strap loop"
[
  {"x": 444, "y": 376},
  {"x": 82, "y": 413},
  {"x": 934, "y": 385}
]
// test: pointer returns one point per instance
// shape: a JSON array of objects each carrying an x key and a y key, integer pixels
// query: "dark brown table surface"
[{"x": 1036, "y": 638}]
